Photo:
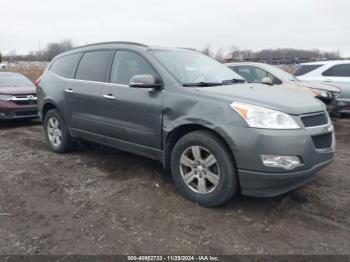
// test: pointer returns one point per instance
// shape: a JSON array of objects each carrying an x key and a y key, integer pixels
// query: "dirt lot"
[{"x": 98, "y": 201}]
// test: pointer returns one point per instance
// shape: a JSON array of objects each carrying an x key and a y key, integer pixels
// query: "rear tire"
[
  {"x": 56, "y": 132},
  {"x": 203, "y": 169}
]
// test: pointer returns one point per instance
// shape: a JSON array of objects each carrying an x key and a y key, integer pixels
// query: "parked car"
[
  {"x": 218, "y": 134},
  {"x": 271, "y": 75},
  {"x": 336, "y": 73},
  {"x": 3, "y": 66},
  {"x": 17, "y": 97}
]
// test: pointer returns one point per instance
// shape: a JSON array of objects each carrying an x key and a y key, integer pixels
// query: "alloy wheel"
[
  {"x": 54, "y": 131},
  {"x": 199, "y": 169}
]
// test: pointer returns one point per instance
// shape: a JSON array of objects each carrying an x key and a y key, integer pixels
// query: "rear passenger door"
[
  {"x": 83, "y": 94},
  {"x": 132, "y": 115}
]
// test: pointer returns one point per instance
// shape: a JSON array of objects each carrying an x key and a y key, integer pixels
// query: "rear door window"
[
  {"x": 304, "y": 69},
  {"x": 65, "y": 66},
  {"x": 93, "y": 66},
  {"x": 338, "y": 71}
]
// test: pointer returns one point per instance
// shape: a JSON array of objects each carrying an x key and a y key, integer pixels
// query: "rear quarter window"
[
  {"x": 338, "y": 70},
  {"x": 94, "y": 65},
  {"x": 65, "y": 66},
  {"x": 304, "y": 69}
]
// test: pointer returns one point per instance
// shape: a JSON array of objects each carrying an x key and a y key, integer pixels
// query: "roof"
[
  {"x": 111, "y": 44},
  {"x": 106, "y": 45},
  {"x": 114, "y": 44},
  {"x": 331, "y": 62},
  {"x": 244, "y": 63}
]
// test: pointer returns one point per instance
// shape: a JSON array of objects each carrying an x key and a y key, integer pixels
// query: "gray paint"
[{"x": 141, "y": 120}]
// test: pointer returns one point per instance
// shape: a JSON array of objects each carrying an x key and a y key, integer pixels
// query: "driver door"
[{"x": 131, "y": 115}]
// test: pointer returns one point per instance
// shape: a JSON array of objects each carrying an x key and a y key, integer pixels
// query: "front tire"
[
  {"x": 56, "y": 132},
  {"x": 203, "y": 169}
]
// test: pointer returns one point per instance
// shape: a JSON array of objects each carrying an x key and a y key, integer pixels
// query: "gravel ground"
[{"x": 99, "y": 201}]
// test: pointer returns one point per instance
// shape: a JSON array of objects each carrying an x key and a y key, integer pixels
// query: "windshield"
[
  {"x": 280, "y": 73},
  {"x": 190, "y": 67},
  {"x": 14, "y": 80}
]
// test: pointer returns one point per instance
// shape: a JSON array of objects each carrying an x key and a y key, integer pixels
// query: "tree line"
[
  {"x": 271, "y": 56},
  {"x": 43, "y": 55}
]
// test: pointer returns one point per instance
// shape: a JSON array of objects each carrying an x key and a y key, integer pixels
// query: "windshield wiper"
[
  {"x": 203, "y": 84},
  {"x": 224, "y": 82},
  {"x": 234, "y": 80}
]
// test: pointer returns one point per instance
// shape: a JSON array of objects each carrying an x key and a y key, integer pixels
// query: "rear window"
[
  {"x": 304, "y": 69},
  {"x": 65, "y": 66},
  {"x": 93, "y": 66},
  {"x": 14, "y": 80},
  {"x": 338, "y": 70}
]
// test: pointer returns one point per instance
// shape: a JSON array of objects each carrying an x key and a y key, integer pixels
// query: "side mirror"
[
  {"x": 267, "y": 81},
  {"x": 144, "y": 81}
]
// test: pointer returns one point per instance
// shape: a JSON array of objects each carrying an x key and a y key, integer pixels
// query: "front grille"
[
  {"x": 315, "y": 120},
  {"x": 26, "y": 113},
  {"x": 25, "y": 100},
  {"x": 323, "y": 141}
]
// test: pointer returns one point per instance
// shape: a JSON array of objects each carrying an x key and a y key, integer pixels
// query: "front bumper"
[
  {"x": 332, "y": 105},
  {"x": 262, "y": 184},
  {"x": 343, "y": 104},
  {"x": 315, "y": 146},
  {"x": 10, "y": 110}
]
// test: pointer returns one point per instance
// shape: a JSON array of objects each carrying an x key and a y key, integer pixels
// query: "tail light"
[{"x": 37, "y": 82}]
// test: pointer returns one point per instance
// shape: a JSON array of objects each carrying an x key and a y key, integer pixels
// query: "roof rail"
[{"x": 112, "y": 42}]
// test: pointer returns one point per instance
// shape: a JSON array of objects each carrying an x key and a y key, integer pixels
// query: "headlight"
[
  {"x": 335, "y": 94},
  {"x": 261, "y": 117},
  {"x": 5, "y": 97},
  {"x": 320, "y": 93}
]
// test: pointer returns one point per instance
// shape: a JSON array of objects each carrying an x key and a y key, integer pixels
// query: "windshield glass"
[
  {"x": 14, "y": 80},
  {"x": 190, "y": 67},
  {"x": 280, "y": 73}
]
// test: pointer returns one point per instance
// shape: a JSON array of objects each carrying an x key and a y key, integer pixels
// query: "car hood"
[
  {"x": 17, "y": 90},
  {"x": 293, "y": 87},
  {"x": 266, "y": 96},
  {"x": 317, "y": 85}
]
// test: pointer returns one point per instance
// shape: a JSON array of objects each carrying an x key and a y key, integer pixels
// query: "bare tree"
[
  {"x": 12, "y": 56},
  {"x": 207, "y": 51},
  {"x": 220, "y": 54},
  {"x": 46, "y": 54},
  {"x": 53, "y": 49}
]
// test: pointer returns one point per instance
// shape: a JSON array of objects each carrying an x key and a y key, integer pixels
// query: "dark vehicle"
[
  {"x": 218, "y": 134},
  {"x": 17, "y": 97}
]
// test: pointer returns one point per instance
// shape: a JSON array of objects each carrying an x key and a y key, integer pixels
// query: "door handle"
[
  {"x": 69, "y": 90},
  {"x": 109, "y": 96}
]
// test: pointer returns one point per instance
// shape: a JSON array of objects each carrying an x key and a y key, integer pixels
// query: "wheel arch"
[
  {"x": 173, "y": 137},
  {"x": 48, "y": 105}
]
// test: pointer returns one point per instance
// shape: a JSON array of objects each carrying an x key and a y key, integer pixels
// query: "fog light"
[{"x": 286, "y": 162}]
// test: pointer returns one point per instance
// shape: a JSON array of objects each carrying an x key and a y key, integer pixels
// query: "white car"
[
  {"x": 278, "y": 78},
  {"x": 3, "y": 65},
  {"x": 336, "y": 73}
]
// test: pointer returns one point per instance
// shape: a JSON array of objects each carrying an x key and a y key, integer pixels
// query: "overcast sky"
[{"x": 249, "y": 24}]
